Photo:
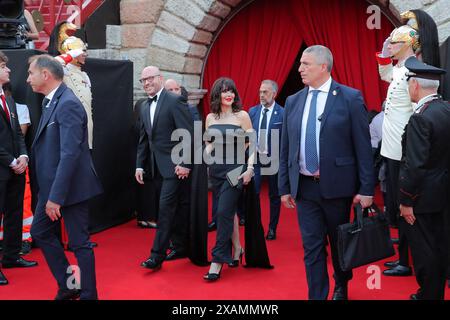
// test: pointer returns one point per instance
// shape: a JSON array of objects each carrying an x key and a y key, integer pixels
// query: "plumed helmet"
[
  {"x": 406, "y": 34},
  {"x": 72, "y": 43}
]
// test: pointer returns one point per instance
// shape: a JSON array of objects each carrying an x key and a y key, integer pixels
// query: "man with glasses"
[{"x": 160, "y": 116}]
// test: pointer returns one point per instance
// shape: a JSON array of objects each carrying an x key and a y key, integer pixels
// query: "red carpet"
[{"x": 119, "y": 276}]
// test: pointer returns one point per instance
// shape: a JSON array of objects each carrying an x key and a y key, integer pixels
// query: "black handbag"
[{"x": 365, "y": 240}]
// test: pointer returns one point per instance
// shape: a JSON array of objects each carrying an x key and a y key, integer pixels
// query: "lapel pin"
[
  {"x": 275, "y": 112},
  {"x": 334, "y": 92}
]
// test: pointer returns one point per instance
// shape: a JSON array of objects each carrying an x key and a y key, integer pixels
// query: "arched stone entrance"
[{"x": 176, "y": 35}]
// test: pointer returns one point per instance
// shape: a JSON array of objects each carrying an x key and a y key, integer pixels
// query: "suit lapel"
[
  {"x": 331, "y": 99},
  {"x": 159, "y": 104},
  {"x": 274, "y": 117},
  {"x": 299, "y": 108},
  {"x": 49, "y": 111},
  {"x": 2, "y": 112}
]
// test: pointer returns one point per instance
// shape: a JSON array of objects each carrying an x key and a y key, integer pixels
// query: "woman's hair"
[{"x": 224, "y": 85}]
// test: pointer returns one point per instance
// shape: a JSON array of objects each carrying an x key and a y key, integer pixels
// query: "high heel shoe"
[
  {"x": 213, "y": 276},
  {"x": 235, "y": 263}
]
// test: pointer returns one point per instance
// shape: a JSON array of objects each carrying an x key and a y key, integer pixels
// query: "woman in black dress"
[{"x": 229, "y": 131}]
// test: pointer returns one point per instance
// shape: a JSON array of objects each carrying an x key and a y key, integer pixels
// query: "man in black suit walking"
[
  {"x": 163, "y": 113},
  {"x": 13, "y": 163}
]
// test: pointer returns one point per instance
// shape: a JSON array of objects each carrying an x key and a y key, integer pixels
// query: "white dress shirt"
[
  {"x": 268, "y": 115},
  {"x": 321, "y": 101},
  {"x": 153, "y": 105}
]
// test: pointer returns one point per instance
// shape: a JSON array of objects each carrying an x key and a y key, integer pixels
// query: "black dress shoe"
[
  {"x": 151, "y": 263},
  {"x": 340, "y": 293},
  {"x": 212, "y": 226},
  {"x": 19, "y": 263},
  {"x": 271, "y": 235},
  {"x": 175, "y": 254},
  {"x": 242, "y": 222},
  {"x": 392, "y": 264},
  {"x": 66, "y": 294},
  {"x": 3, "y": 280},
  {"x": 398, "y": 271}
]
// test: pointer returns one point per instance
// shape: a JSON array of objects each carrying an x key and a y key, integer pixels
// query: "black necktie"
[
  {"x": 262, "y": 135},
  {"x": 44, "y": 103}
]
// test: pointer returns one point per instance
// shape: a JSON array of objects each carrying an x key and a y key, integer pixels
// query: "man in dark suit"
[
  {"x": 13, "y": 163},
  {"x": 325, "y": 161},
  {"x": 66, "y": 179},
  {"x": 424, "y": 179},
  {"x": 163, "y": 113},
  {"x": 267, "y": 118}
]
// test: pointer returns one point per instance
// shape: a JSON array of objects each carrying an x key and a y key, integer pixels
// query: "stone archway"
[{"x": 176, "y": 35}]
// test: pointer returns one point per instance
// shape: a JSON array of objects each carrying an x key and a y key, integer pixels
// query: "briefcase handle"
[{"x": 360, "y": 214}]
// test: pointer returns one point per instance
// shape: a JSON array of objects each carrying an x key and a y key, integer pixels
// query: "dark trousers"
[
  {"x": 168, "y": 202},
  {"x": 44, "y": 232},
  {"x": 275, "y": 200},
  {"x": 11, "y": 206},
  {"x": 393, "y": 167},
  {"x": 180, "y": 231},
  {"x": 429, "y": 251},
  {"x": 318, "y": 219},
  {"x": 227, "y": 200},
  {"x": 147, "y": 206}
]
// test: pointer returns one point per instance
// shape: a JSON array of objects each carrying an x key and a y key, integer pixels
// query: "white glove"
[
  {"x": 385, "y": 51},
  {"x": 75, "y": 53}
]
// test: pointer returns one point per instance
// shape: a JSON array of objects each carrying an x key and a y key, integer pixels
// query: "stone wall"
[{"x": 176, "y": 34}]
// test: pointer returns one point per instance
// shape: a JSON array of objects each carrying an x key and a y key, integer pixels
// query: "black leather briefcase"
[{"x": 365, "y": 240}]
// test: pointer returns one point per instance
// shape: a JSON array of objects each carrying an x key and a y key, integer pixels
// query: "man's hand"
[
  {"x": 52, "y": 210},
  {"x": 75, "y": 53},
  {"x": 139, "y": 175},
  {"x": 408, "y": 214},
  {"x": 181, "y": 172},
  {"x": 365, "y": 201},
  {"x": 288, "y": 201},
  {"x": 21, "y": 165}
]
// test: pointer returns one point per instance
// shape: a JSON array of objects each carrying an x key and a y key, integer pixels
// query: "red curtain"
[{"x": 263, "y": 40}]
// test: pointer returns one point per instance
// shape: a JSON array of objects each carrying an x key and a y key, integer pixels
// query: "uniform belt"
[{"x": 315, "y": 178}]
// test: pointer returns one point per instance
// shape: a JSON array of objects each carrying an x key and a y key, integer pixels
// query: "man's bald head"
[
  {"x": 172, "y": 86},
  {"x": 151, "y": 80}
]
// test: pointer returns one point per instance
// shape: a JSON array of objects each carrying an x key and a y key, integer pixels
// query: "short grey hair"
[
  {"x": 322, "y": 54},
  {"x": 46, "y": 61},
  {"x": 427, "y": 83},
  {"x": 271, "y": 83}
]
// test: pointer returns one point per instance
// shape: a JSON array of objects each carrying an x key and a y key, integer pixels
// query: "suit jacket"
[
  {"x": 155, "y": 140},
  {"x": 64, "y": 169},
  {"x": 346, "y": 164},
  {"x": 276, "y": 121},
  {"x": 12, "y": 143},
  {"x": 424, "y": 170}
]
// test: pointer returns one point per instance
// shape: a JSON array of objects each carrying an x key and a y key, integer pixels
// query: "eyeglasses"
[{"x": 151, "y": 78}]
